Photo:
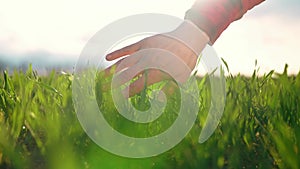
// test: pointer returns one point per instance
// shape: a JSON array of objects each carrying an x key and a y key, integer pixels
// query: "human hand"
[{"x": 186, "y": 42}]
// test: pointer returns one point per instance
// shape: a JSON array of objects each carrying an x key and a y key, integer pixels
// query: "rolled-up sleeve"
[{"x": 214, "y": 16}]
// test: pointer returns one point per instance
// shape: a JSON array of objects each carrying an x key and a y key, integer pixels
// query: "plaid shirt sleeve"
[{"x": 214, "y": 16}]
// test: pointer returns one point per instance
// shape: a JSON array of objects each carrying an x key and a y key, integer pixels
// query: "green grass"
[{"x": 260, "y": 127}]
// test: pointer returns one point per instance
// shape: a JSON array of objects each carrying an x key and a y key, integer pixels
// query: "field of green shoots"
[{"x": 260, "y": 127}]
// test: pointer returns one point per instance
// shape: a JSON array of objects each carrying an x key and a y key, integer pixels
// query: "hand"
[{"x": 186, "y": 42}]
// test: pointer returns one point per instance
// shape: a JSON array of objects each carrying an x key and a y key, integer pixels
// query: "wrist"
[
  {"x": 191, "y": 36},
  {"x": 192, "y": 31}
]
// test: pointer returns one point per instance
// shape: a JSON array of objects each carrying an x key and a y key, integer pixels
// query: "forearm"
[{"x": 214, "y": 16}]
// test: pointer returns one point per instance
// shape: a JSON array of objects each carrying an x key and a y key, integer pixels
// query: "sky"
[{"x": 57, "y": 30}]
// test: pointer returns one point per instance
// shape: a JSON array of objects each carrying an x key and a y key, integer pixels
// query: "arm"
[{"x": 214, "y": 16}]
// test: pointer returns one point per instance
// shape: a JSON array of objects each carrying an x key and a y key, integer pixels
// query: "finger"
[
  {"x": 109, "y": 85},
  {"x": 121, "y": 65},
  {"x": 118, "y": 67},
  {"x": 127, "y": 75},
  {"x": 153, "y": 76},
  {"x": 170, "y": 88},
  {"x": 123, "y": 51}
]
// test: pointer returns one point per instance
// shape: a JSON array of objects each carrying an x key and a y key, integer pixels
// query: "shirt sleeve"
[{"x": 214, "y": 16}]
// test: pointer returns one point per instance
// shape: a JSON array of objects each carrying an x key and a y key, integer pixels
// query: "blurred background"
[
  {"x": 39, "y": 129},
  {"x": 51, "y": 34}
]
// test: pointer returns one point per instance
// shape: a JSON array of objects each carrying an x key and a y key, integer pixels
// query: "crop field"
[{"x": 260, "y": 127}]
